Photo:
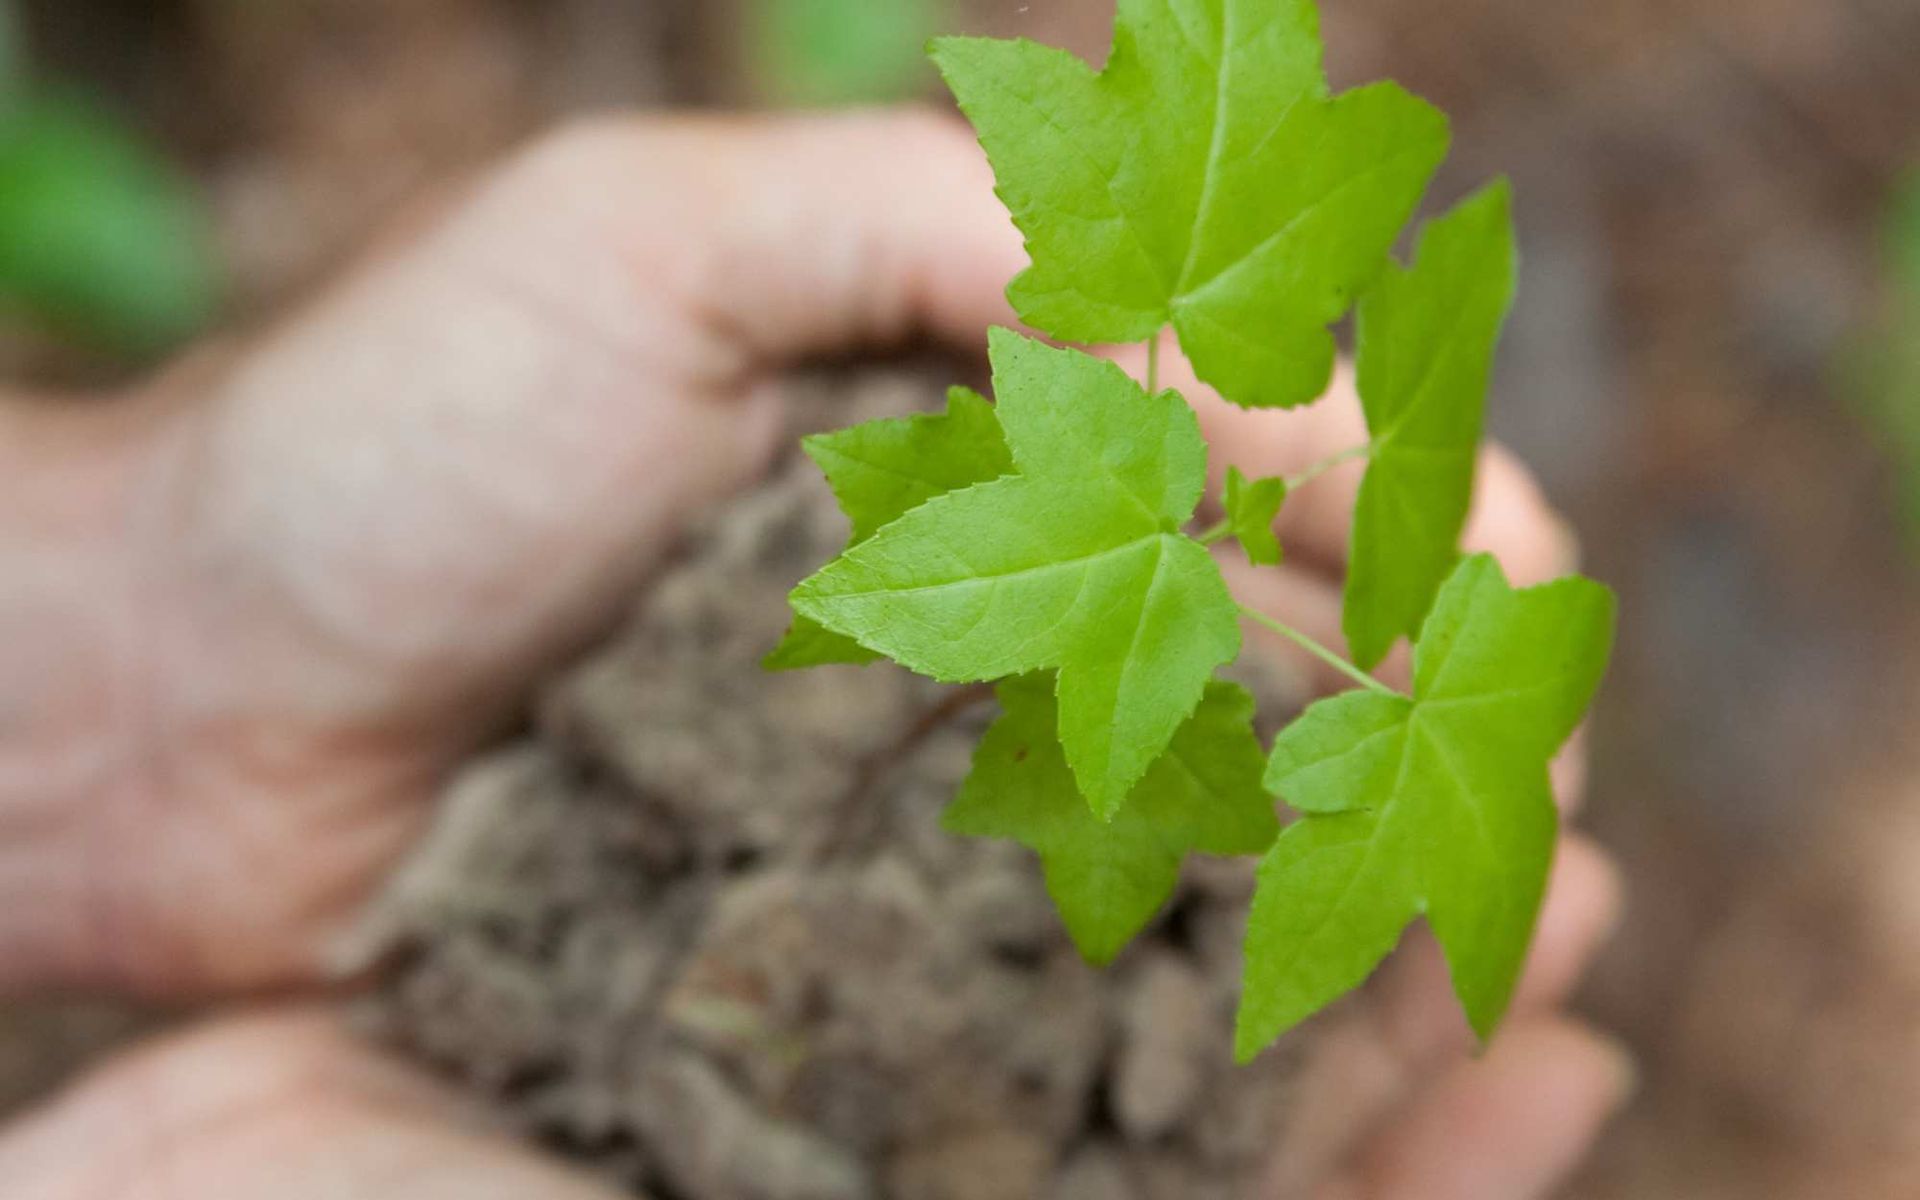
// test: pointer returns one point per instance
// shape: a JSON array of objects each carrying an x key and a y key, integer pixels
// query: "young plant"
[{"x": 1208, "y": 181}]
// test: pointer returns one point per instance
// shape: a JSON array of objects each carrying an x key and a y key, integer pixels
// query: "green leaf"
[
  {"x": 1251, "y": 508},
  {"x": 1076, "y": 563},
  {"x": 1426, "y": 342},
  {"x": 99, "y": 236},
  {"x": 841, "y": 51},
  {"x": 1438, "y": 803},
  {"x": 807, "y": 644},
  {"x": 1205, "y": 178},
  {"x": 883, "y": 469},
  {"x": 1108, "y": 878}
]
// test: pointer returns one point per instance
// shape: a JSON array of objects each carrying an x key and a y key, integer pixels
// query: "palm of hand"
[{"x": 271, "y": 600}]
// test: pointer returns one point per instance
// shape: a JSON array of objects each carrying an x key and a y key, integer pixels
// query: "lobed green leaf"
[
  {"x": 1426, "y": 342},
  {"x": 881, "y": 470},
  {"x": 1075, "y": 564},
  {"x": 1208, "y": 179},
  {"x": 1205, "y": 179},
  {"x": 1251, "y": 508},
  {"x": 1108, "y": 878},
  {"x": 1437, "y": 804}
]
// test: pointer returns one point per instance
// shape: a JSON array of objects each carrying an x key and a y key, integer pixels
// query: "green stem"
[
  {"x": 1318, "y": 651},
  {"x": 1327, "y": 464},
  {"x": 1214, "y": 533},
  {"x": 1153, "y": 364}
]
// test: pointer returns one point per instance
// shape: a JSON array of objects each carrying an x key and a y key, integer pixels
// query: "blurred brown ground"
[{"x": 1700, "y": 184}]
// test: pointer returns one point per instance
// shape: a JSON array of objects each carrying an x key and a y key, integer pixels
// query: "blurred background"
[{"x": 1715, "y": 366}]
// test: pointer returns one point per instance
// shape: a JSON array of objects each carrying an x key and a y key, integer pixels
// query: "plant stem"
[
  {"x": 1318, "y": 651},
  {"x": 1153, "y": 363},
  {"x": 1214, "y": 533},
  {"x": 1327, "y": 464}
]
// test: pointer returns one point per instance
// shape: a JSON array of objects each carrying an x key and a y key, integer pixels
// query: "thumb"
[
  {"x": 482, "y": 439},
  {"x": 272, "y": 1103}
]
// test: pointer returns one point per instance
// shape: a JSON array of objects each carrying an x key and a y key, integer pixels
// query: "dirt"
[{"x": 700, "y": 928}]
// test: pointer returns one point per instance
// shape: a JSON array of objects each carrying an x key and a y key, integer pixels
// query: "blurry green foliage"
[
  {"x": 841, "y": 51},
  {"x": 1884, "y": 369},
  {"x": 101, "y": 240},
  {"x": 1903, "y": 234}
]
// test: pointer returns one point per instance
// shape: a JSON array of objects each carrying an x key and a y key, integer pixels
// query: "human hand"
[{"x": 257, "y": 610}]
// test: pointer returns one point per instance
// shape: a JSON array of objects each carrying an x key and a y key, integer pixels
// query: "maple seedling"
[{"x": 1207, "y": 181}]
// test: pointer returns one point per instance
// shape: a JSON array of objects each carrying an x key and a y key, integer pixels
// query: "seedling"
[{"x": 1208, "y": 181}]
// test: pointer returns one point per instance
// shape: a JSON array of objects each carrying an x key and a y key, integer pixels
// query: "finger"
[
  {"x": 1581, "y": 912},
  {"x": 1512, "y": 520},
  {"x": 285, "y": 1105},
  {"x": 810, "y": 234},
  {"x": 484, "y": 439},
  {"x": 1510, "y": 1126},
  {"x": 1568, "y": 773},
  {"x": 1411, "y": 1029},
  {"x": 1418, "y": 1013},
  {"x": 1269, "y": 442}
]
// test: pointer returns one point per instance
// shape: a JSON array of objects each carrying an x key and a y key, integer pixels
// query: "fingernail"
[
  {"x": 1569, "y": 542},
  {"x": 1623, "y": 1070}
]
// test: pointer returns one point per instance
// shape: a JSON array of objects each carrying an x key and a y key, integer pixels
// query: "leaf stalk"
[
  {"x": 1295, "y": 482},
  {"x": 1318, "y": 651},
  {"x": 1214, "y": 534}
]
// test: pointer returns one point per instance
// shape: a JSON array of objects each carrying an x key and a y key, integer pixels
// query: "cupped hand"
[{"x": 252, "y": 613}]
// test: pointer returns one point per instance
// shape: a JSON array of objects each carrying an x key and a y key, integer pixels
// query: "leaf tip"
[
  {"x": 1097, "y": 952},
  {"x": 1105, "y": 801},
  {"x": 1252, "y": 1037},
  {"x": 776, "y": 660},
  {"x": 1009, "y": 349},
  {"x": 1486, "y": 1007},
  {"x": 941, "y": 50},
  {"x": 1486, "y": 1024}
]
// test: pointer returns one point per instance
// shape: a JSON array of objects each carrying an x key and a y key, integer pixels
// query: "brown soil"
[{"x": 700, "y": 928}]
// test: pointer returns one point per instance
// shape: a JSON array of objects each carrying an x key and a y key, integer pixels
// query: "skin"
[{"x": 253, "y": 611}]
